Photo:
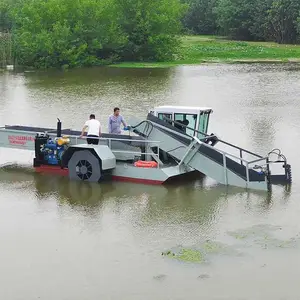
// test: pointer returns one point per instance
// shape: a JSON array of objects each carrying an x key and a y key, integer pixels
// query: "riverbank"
[{"x": 212, "y": 49}]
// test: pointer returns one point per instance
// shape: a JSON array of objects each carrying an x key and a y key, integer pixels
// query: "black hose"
[{"x": 146, "y": 127}]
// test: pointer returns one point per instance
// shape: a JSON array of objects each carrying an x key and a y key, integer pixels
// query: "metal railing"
[
  {"x": 156, "y": 156},
  {"x": 226, "y": 154},
  {"x": 246, "y": 163},
  {"x": 241, "y": 150}
]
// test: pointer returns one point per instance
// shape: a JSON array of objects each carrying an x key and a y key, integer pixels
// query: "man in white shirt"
[{"x": 94, "y": 130}]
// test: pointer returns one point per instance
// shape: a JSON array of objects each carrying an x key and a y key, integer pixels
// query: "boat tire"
[{"x": 84, "y": 166}]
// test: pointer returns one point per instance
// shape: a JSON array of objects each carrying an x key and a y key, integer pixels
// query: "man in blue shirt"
[{"x": 114, "y": 122}]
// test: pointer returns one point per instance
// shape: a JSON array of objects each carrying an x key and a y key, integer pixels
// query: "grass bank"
[{"x": 212, "y": 49}]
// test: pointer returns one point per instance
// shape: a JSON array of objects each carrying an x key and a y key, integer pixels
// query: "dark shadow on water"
[
  {"x": 100, "y": 75},
  {"x": 185, "y": 201}
]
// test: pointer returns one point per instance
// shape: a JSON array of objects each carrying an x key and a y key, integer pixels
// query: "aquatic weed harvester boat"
[{"x": 171, "y": 142}]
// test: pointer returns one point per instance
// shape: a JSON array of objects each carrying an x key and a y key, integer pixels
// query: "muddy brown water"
[{"x": 72, "y": 241}]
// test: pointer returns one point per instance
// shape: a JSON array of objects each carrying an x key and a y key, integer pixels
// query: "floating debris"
[
  {"x": 160, "y": 277},
  {"x": 262, "y": 235},
  {"x": 167, "y": 253},
  {"x": 203, "y": 276}
]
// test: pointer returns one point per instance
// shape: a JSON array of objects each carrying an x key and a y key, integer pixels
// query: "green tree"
[
  {"x": 5, "y": 19},
  {"x": 234, "y": 18},
  {"x": 282, "y": 21},
  {"x": 53, "y": 33},
  {"x": 151, "y": 28},
  {"x": 65, "y": 32},
  {"x": 245, "y": 20},
  {"x": 200, "y": 17}
]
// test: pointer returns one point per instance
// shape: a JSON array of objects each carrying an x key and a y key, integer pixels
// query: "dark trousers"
[{"x": 90, "y": 139}]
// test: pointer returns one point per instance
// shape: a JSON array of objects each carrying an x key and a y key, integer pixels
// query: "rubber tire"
[{"x": 94, "y": 174}]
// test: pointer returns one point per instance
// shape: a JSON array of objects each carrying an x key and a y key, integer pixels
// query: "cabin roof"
[{"x": 182, "y": 109}]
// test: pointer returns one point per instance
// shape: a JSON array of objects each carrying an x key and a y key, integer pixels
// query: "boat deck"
[{"x": 70, "y": 132}]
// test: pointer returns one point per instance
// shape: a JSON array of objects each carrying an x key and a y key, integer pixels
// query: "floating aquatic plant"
[
  {"x": 213, "y": 247},
  {"x": 190, "y": 255},
  {"x": 262, "y": 235},
  {"x": 198, "y": 253},
  {"x": 185, "y": 254}
]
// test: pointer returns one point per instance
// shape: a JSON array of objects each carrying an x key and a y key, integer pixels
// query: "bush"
[{"x": 54, "y": 33}]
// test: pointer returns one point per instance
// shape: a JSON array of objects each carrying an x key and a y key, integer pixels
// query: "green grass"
[{"x": 212, "y": 49}]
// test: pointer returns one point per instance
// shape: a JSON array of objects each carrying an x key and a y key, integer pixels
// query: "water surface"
[{"x": 67, "y": 241}]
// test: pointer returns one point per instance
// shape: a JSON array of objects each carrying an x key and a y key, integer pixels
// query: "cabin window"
[
  {"x": 162, "y": 116},
  {"x": 188, "y": 120},
  {"x": 203, "y": 124}
]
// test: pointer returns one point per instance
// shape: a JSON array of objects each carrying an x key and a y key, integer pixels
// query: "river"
[{"x": 74, "y": 241}]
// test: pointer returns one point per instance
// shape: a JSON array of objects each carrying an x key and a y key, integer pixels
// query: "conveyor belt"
[
  {"x": 208, "y": 160},
  {"x": 211, "y": 153}
]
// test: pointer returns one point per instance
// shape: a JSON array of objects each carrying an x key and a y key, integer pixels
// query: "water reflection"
[
  {"x": 94, "y": 75},
  {"x": 47, "y": 95},
  {"x": 123, "y": 84},
  {"x": 148, "y": 205}
]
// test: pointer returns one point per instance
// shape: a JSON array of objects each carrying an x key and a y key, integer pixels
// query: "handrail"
[
  {"x": 112, "y": 139},
  {"x": 239, "y": 148},
  {"x": 221, "y": 151},
  {"x": 207, "y": 135},
  {"x": 109, "y": 140},
  {"x": 257, "y": 160},
  {"x": 226, "y": 153},
  {"x": 132, "y": 152}
]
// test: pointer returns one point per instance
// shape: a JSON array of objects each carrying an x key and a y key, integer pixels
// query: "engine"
[
  {"x": 52, "y": 152},
  {"x": 49, "y": 151}
]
